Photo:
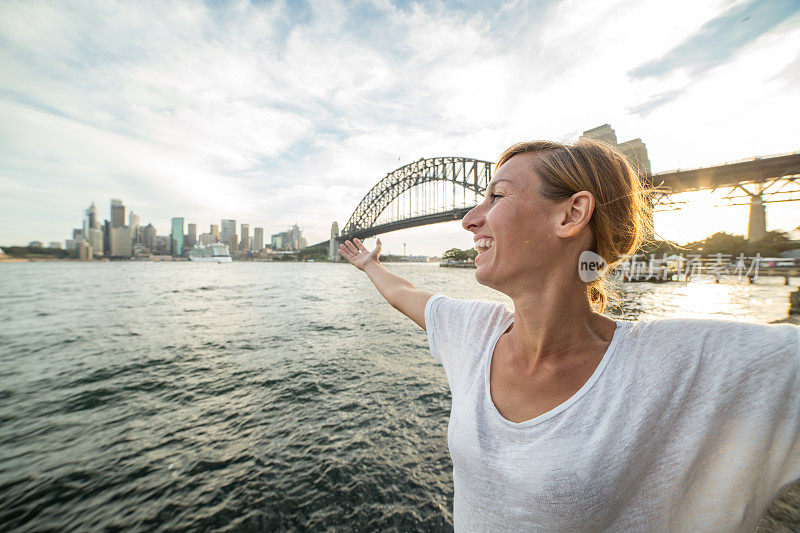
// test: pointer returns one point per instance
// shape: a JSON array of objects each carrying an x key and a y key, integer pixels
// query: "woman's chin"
[{"x": 482, "y": 273}]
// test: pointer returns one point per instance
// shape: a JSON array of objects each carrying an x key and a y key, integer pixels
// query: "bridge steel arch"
[{"x": 470, "y": 174}]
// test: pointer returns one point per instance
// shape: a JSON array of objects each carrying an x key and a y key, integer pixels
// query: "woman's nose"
[{"x": 473, "y": 219}]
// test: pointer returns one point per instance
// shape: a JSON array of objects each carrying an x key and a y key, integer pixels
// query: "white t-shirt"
[{"x": 685, "y": 425}]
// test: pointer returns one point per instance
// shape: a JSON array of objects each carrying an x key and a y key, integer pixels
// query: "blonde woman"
[{"x": 564, "y": 419}]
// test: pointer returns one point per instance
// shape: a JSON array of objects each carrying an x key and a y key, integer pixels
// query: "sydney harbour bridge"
[{"x": 442, "y": 189}]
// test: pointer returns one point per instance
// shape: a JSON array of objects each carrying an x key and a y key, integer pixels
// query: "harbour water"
[{"x": 245, "y": 396}]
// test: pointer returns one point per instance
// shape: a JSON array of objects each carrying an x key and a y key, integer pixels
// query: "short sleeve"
[
  {"x": 458, "y": 330},
  {"x": 437, "y": 312}
]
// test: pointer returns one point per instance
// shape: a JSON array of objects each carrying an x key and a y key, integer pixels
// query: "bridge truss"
[{"x": 430, "y": 190}]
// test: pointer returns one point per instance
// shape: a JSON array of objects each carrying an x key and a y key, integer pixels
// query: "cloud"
[
  {"x": 655, "y": 102},
  {"x": 719, "y": 39}
]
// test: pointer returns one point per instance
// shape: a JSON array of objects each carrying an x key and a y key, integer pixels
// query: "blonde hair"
[{"x": 622, "y": 218}]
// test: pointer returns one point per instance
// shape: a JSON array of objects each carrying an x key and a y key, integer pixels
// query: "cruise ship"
[{"x": 212, "y": 253}]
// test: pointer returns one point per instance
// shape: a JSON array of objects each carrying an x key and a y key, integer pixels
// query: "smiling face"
[{"x": 518, "y": 232}]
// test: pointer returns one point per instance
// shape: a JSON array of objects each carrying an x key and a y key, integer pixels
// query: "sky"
[{"x": 275, "y": 113}]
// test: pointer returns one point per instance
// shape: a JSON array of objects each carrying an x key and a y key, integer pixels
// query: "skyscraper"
[
  {"x": 191, "y": 237},
  {"x": 106, "y": 236},
  {"x": 91, "y": 217},
  {"x": 228, "y": 229},
  {"x": 149, "y": 237},
  {"x": 245, "y": 237},
  {"x": 121, "y": 242},
  {"x": 176, "y": 237},
  {"x": 95, "y": 239},
  {"x": 233, "y": 243},
  {"x": 133, "y": 223},
  {"x": 90, "y": 220},
  {"x": 258, "y": 239},
  {"x": 117, "y": 213},
  {"x": 214, "y": 232}
]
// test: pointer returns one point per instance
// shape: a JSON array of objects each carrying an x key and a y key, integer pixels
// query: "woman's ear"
[{"x": 576, "y": 211}]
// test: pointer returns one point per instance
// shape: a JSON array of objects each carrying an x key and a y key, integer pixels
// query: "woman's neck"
[{"x": 556, "y": 325}]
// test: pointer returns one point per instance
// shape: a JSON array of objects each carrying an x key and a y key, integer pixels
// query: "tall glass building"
[{"x": 176, "y": 237}]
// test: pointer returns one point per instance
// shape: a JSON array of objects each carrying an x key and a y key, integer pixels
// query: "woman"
[{"x": 563, "y": 419}]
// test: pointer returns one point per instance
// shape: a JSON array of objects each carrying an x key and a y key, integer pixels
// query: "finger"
[
  {"x": 344, "y": 251},
  {"x": 352, "y": 247},
  {"x": 360, "y": 245}
]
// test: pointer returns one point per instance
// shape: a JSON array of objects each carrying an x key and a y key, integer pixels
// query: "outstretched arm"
[{"x": 397, "y": 290}]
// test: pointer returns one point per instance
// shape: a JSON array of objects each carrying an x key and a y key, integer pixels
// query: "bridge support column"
[
  {"x": 333, "y": 244},
  {"x": 757, "y": 221},
  {"x": 333, "y": 250}
]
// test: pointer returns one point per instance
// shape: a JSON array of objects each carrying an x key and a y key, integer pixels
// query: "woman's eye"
[{"x": 495, "y": 196}]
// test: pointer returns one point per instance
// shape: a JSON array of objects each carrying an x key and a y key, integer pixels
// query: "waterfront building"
[
  {"x": 107, "y": 236},
  {"x": 233, "y": 243},
  {"x": 117, "y": 213},
  {"x": 121, "y": 242},
  {"x": 290, "y": 240},
  {"x": 245, "y": 237},
  {"x": 35, "y": 244},
  {"x": 133, "y": 222},
  {"x": 228, "y": 228},
  {"x": 258, "y": 239},
  {"x": 54, "y": 244},
  {"x": 206, "y": 238},
  {"x": 215, "y": 232},
  {"x": 149, "y": 237},
  {"x": 176, "y": 237},
  {"x": 191, "y": 236},
  {"x": 84, "y": 250},
  {"x": 77, "y": 233},
  {"x": 163, "y": 244},
  {"x": 95, "y": 239}
]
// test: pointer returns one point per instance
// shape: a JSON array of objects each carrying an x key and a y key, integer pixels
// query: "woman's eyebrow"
[{"x": 495, "y": 182}]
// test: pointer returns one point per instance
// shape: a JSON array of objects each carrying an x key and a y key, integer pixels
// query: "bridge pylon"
[
  {"x": 757, "y": 219},
  {"x": 333, "y": 244}
]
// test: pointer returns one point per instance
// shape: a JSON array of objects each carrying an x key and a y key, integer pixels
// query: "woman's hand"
[{"x": 357, "y": 254}]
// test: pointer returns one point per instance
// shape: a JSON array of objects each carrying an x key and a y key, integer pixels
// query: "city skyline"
[
  {"x": 114, "y": 238},
  {"x": 287, "y": 112}
]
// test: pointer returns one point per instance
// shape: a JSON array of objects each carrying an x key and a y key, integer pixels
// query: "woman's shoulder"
[
  {"x": 724, "y": 336},
  {"x": 694, "y": 326},
  {"x": 465, "y": 313}
]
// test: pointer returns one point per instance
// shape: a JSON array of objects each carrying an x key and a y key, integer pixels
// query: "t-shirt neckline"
[{"x": 561, "y": 407}]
